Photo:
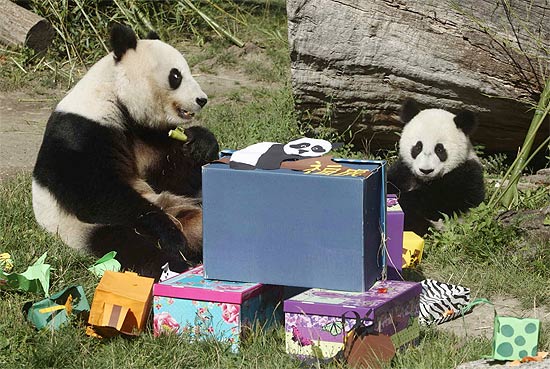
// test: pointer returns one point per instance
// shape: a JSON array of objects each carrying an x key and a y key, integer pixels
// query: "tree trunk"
[
  {"x": 355, "y": 61},
  {"x": 19, "y": 27}
]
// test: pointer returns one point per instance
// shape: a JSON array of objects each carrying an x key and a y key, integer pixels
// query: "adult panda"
[
  {"x": 437, "y": 171},
  {"x": 108, "y": 177}
]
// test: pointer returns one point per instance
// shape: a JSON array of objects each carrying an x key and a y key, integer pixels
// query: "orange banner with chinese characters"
[{"x": 324, "y": 165}]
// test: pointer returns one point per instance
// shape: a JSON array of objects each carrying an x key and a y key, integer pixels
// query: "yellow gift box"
[
  {"x": 413, "y": 246},
  {"x": 122, "y": 302}
]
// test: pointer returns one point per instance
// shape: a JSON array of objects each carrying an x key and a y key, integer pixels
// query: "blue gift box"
[{"x": 291, "y": 228}]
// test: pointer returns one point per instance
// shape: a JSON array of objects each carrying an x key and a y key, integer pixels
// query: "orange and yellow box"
[
  {"x": 413, "y": 247},
  {"x": 122, "y": 302}
]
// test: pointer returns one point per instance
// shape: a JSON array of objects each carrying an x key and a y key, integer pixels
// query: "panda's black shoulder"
[
  {"x": 80, "y": 157},
  {"x": 465, "y": 182},
  {"x": 76, "y": 131},
  {"x": 69, "y": 138},
  {"x": 401, "y": 178},
  {"x": 468, "y": 169}
]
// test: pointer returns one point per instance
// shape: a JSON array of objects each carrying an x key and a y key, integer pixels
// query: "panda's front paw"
[
  {"x": 158, "y": 226},
  {"x": 173, "y": 243},
  {"x": 202, "y": 144}
]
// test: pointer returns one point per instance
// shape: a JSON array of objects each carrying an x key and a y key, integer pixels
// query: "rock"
[
  {"x": 542, "y": 177},
  {"x": 353, "y": 62}
]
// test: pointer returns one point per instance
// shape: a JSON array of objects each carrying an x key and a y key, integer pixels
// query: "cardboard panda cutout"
[
  {"x": 108, "y": 177},
  {"x": 437, "y": 171},
  {"x": 270, "y": 155}
]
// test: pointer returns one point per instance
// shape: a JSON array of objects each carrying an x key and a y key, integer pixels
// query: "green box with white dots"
[{"x": 515, "y": 338}]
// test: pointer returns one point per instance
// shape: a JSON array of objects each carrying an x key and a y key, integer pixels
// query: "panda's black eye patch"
[
  {"x": 317, "y": 148},
  {"x": 416, "y": 149},
  {"x": 440, "y": 152},
  {"x": 300, "y": 146},
  {"x": 174, "y": 78}
]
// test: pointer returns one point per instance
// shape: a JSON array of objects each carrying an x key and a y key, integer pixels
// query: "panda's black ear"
[
  {"x": 466, "y": 121},
  {"x": 409, "y": 110},
  {"x": 122, "y": 39},
  {"x": 152, "y": 35}
]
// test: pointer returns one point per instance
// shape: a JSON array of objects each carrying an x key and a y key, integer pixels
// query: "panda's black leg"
[
  {"x": 190, "y": 221},
  {"x": 186, "y": 214},
  {"x": 135, "y": 251},
  {"x": 169, "y": 239}
]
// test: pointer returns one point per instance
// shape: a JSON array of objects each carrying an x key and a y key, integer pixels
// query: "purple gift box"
[
  {"x": 394, "y": 230},
  {"x": 315, "y": 328}
]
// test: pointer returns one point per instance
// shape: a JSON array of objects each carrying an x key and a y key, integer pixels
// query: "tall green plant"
[
  {"x": 508, "y": 192},
  {"x": 82, "y": 25},
  {"x": 528, "y": 54},
  {"x": 215, "y": 26}
]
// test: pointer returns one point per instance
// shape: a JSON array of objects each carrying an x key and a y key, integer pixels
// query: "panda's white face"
[
  {"x": 307, "y": 147},
  {"x": 155, "y": 84},
  {"x": 432, "y": 145},
  {"x": 149, "y": 78}
]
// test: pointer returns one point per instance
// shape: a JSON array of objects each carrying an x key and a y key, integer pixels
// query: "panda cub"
[
  {"x": 108, "y": 177},
  {"x": 437, "y": 171}
]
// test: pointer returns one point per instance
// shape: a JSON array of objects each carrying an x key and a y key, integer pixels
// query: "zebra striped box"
[{"x": 316, "y": 320}]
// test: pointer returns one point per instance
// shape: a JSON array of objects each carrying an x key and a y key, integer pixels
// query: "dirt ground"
[
  {"x": 22, "y": 121},
  {"x": 23, "y": 116},
  {"x": 479, "y": 323}
]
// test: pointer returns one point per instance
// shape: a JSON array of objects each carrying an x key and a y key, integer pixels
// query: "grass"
[
  {"x": 78, "y": 46},
  {"x": 266, "y": 115},
  {"x": 23, "y": 347},
  {"x": 476, "y": 251}
]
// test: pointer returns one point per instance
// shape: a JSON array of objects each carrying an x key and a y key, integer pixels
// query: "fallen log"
[
  {"x": 19, "y": 26},
  {"x": 354, "y": 61}
]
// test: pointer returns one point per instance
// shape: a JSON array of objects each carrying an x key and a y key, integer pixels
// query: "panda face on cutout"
[
  {"x": 307, "y": 147},
  {"x": 435, "y": 141}
]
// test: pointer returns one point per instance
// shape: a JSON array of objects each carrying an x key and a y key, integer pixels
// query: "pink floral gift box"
[
  {"x": 316, "y": 320},
  {"x": 198, "y": 308}
]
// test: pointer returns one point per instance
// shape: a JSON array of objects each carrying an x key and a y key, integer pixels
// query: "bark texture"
[
  {"x": 355, "y": 61},
  {"x": 19, "y": 26}
]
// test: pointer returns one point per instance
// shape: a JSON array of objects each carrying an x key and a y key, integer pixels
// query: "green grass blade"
[
  {"x": 213, "y": 24},
  {"x": 541, "y": 112}
]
